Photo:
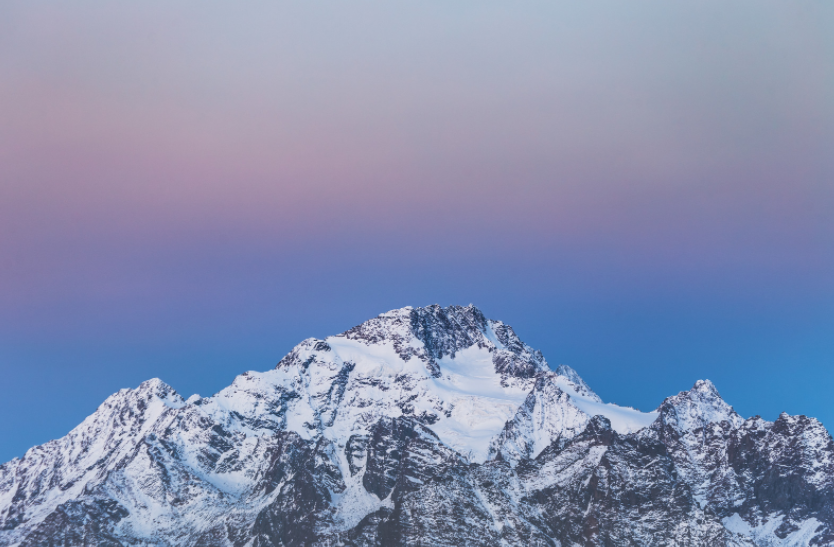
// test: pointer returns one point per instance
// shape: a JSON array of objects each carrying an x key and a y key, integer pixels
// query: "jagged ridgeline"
[{"x": 423, "y": 426}]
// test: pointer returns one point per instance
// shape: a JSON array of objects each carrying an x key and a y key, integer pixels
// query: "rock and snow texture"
[{"x": 423, "y": 426}]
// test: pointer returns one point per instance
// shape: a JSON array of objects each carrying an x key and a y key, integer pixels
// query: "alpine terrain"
[{"x": 423, "y": 426}]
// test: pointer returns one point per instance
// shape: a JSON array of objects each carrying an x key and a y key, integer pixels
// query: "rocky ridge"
[{"x": 423, "y": 426}]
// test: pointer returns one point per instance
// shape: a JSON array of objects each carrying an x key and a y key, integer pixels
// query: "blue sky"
[{"x": 643, "y": 191}]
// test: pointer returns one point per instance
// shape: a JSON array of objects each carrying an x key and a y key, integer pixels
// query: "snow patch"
[
  {"x": 765, "y": 533},
  {"x": 623, "y": 419}
]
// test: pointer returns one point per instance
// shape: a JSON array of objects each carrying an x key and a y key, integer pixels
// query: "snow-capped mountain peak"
[
  {"x": 434, "y": 332},
  {"x": 420, "y": 426},
  {"x": 577, "y": 384},
  {"x": 452, "y": 369},
  {"x": 160, "y": 390},
  {"x": 698, "y": 407}
]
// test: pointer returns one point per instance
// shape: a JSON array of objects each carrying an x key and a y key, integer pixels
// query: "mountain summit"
[{"x": 422, "y": 426}]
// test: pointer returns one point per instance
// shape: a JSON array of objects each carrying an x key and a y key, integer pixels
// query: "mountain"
[{"x": 422, "y": 426}]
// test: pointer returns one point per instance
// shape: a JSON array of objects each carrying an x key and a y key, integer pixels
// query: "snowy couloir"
[{"x": 423, "y": 426}]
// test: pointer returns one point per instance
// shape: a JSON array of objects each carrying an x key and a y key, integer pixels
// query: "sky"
[{"x": 643, "y": 190}]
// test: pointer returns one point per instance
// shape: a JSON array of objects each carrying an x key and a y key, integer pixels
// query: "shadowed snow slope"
[{"x": 423, "y": 425}]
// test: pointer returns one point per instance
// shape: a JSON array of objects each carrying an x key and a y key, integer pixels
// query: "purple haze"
[{"x": 644, "y": 191}]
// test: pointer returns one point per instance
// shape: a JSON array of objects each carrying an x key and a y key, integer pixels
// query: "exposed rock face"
[
  {"x": 427, "y": 426},
  {"x": 547, "y": 416}
]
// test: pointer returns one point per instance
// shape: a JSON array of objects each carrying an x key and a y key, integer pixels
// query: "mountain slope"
[{"x": 432, "y": 426}]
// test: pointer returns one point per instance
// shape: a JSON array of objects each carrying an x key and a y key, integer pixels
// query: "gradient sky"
[{"x": 644, "y": 190}]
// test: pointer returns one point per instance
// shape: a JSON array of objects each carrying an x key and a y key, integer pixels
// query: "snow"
[
  {"x": 561, "y": 471},
  {"x": 471, "y": 402},
  {"x": 480, "y": 405},
  {"x": 373, "y": 360},
  {"x": 341, "y": 386},
  {"x": 575, "y": 383},
  {"x": 765, "y": 533},
  {"x": 699, "y": 407},
  {"x": 477, "y": 405},
  {"x": 490, "y": 335},
  {"x": 623, "y": 419}
]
